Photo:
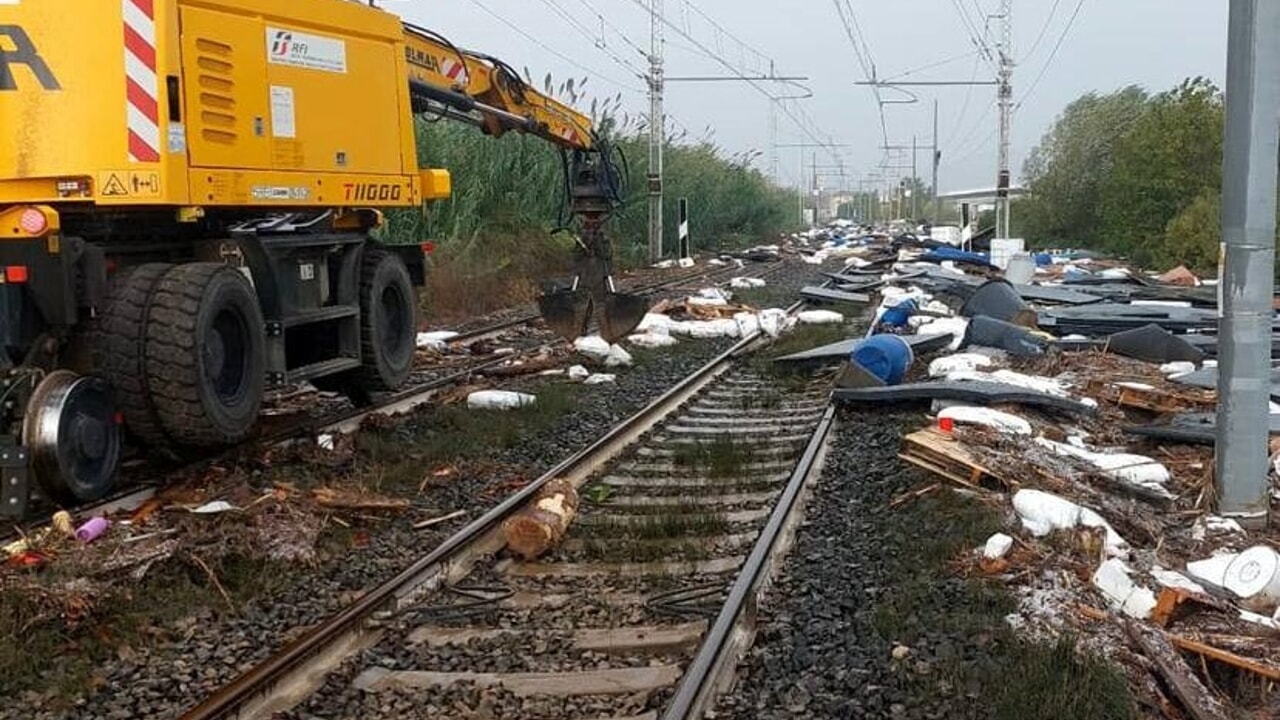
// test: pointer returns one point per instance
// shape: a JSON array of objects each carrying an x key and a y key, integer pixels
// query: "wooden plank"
[
  {"x": 1194, "y": 696},
  {"x": 615, "y": 681},
  {"x": 1268, "y": 671},
  {"x": 940, "y": 454}
]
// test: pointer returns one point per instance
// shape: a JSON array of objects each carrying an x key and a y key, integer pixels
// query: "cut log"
[{"x": 543, "y": 523}]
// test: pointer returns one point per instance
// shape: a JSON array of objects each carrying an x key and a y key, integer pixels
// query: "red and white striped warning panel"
[
  {"x": 453, "y": 69},
  {"x": 142, "y": 106}
]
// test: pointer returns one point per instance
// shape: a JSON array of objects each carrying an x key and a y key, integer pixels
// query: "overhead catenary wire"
[
  {"x": 1044, "y": 29},
  {"x": 863, "y": 53},
  {"x": 536, "y": 41},
  {"x": 1052, "y": 54},
  {"x": 589, "y": 35},
  {"x": 738, "y": 73}
]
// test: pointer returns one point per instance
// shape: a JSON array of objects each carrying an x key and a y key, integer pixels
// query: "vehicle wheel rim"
[{"x": 226, "y": 356}]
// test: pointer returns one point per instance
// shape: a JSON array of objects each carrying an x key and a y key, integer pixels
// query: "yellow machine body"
[{"x": 244, "y": 103}]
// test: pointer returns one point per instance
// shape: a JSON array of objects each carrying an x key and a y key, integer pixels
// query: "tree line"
[{"x": 1131, "y": 173}]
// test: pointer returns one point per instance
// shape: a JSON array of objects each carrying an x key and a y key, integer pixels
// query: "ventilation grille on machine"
[{"x": 217, "y": 96}]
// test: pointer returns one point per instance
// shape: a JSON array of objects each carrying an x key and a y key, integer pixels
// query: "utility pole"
[
  {"x": 937, "y": 157},
  {"x": 773, "y": 140},
  {"x": 913, "y": 178},
  {"x": 1251, "y": 148},
  {"x": 657, "y": 130},
  {"x": 1005, "y": 80}
]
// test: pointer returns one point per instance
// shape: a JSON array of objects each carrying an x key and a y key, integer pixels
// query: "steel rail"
[
  {"x": 695, "y": 692},
  {"x": 237, "y": 697}
]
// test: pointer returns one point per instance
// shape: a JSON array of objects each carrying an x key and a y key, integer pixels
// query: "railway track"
[
  {"x": 640, "y": 613},
  {"x": 428, "y": 382}
]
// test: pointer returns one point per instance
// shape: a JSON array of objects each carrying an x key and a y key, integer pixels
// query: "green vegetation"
[
  {"x": 1133, "y": 174},
  {"x": 1012, "y": 677},
  {"x": 719, "y": 458},
  {"x": 665, "y": 526},
  {"x": 509, "y": 194}
]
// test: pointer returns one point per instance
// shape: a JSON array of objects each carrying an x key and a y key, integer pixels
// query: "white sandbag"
[
  {"x": 651, "y": 340},
  {"x": 724, "y": 327},
  {"x": 617, "y": 357},
  {"x": 987, "y": 417},
  {"x": 741, "y": 283},
  {"x": 716, "y": 261},
  {"x": 686, "y": 262},
  {"x": 1174, "y": 369},
  {"x": 775, "y": 321},
  {"x": 943, "y": 366},
  {"x": 654, "y": 322},
  {"x": 1112, "y": 578},
  {"x": 577, "y": 372},
  {"x": 498, "y": 400},
  {"x": 592, "y": 345},
  {"x": 748, "y": 323},
  {"x": 664, "y": 264},
  {"x": 941, "y": 326},
  {"x": 599, "y": 378},
  {"x": 437, "y": 340},
  {"x": 1041, "y": 513},
  {"x": 1138, "y": 470},
  {"x": 718, "y": 296},
  {"x": 815, "y": 259},
  {"x": 997, "y": 546},
  {"x": 820, "y": 317}
]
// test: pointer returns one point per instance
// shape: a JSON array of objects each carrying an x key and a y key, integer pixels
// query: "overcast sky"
[{"x": 1112, "y": 43}]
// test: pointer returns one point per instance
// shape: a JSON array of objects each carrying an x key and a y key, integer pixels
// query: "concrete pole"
[
  {"x": 1251, "y": 150},
  {"x": 937, "y": 201},
  {"x": 1005, "y": 99}
]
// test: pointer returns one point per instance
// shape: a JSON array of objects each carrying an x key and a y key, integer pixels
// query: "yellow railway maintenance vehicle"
[{"x": 187, "y": 194}]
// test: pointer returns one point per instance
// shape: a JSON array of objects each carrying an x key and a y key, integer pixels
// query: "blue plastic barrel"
[
  {"x": 886, "y": 356},
  {"x": 898, "y": 315}
]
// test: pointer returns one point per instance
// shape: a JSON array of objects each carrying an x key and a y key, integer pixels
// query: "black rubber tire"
[
  {"x": 119, "y": 348},
  {"x": 206, "y": 354},
  {"x": 388, "y": 324}
]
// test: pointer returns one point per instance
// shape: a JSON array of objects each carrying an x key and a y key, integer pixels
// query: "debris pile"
[{"x": 1081, "y": 402}]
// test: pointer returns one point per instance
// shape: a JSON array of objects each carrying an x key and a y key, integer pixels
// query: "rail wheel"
[
  {"x": 205, "y": 354},
  {"x": 119, "y": 348},
  {"x": 388, "y": 325},
  {"x": 71, "y": 431}
]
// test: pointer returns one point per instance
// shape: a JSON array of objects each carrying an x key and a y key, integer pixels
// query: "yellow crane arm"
[{"x": 484, "y": 90}]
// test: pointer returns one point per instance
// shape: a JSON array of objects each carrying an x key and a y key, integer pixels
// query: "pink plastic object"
[{"x": 90, "y": 531}]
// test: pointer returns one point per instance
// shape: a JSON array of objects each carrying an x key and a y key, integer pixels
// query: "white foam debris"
[
  {"x": 956, "y": 326},
  {"x": 686, "y": 262},
  {"x": 943, "y": 366},
  {"x": 1112, "y": 578},
  {"x": 741, "y": 283},
  {"x": 578, "y": 372},
  {"x": 997, "y": 546},
  {"x": 1041, "y": 513},
  {"x": 724, "y": 327},
  {"x": 1176, "y": 369},
  {"x": 651, "y": 340},
  {"x": 592, "y": 345},
  {"x": 1214, "y": 525},
  {"x": 617, "y": 357},
  {"x": 499, "y": 400},
  {"x": 986, "y": 417},
  {"x": 600, "y": 378},
  {"x": 1048, "y": 386},
  {"x": 1138, "y": 470},
  {"x": 654, "y": 322},
  {"x": 748, "y": 323},
  {"x": 775, "y": 321},
  {"x": 820, "y": 317},
  {"x": 436, "y": 340}
]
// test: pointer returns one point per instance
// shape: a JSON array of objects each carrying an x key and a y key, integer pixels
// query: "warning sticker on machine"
[
  {"x": 313, "y": 52},
  {"x": 129, "y": 184},
  {"x": 283, "y": 124}
]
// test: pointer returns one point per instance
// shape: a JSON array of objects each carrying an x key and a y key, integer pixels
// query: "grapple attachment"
[{"x": 569, "y": 311}]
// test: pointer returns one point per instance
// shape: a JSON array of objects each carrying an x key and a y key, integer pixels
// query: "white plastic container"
[
  {"x": 1255, "y": 575},
  {"x": 1021, "y": 268}
]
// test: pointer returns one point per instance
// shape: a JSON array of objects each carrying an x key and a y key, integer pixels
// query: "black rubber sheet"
[
  {"x": 976, "y": 392},
  {"x": 813, "y": 292},
  {"x": 920, "y": 345},
  {"x": 1191, "y": 428}
]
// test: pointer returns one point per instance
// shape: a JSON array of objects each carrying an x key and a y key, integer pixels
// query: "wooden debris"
[
  {"x": 940, "y": 454},
  {"x": 1194, "y": 696},
  {"x": 349, "y": 500},
  {"x": 912, "y": 495},
  {"x": 1153, "y": 400},
  {"x": 1270, "y": 672},
  {"x": 1173, "y": 601},
  {"x": 543, "y": 523},
  {"x": 438, "y": 520}
]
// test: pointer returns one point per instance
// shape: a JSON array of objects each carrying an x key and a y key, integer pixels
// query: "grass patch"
[
  {"x": 1007, "y": 677},
  {"x": 454, "y": 434},
  {"x": 42, "y": 649},
  {"x": 663, "y": 527},
  {"x": 634, "y": 550},
  {"x": 807, "y": 337},
  {"x": 719, "y": 458}
]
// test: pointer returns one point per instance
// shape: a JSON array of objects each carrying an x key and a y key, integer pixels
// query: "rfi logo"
[{"x": 280, "y": 47}]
